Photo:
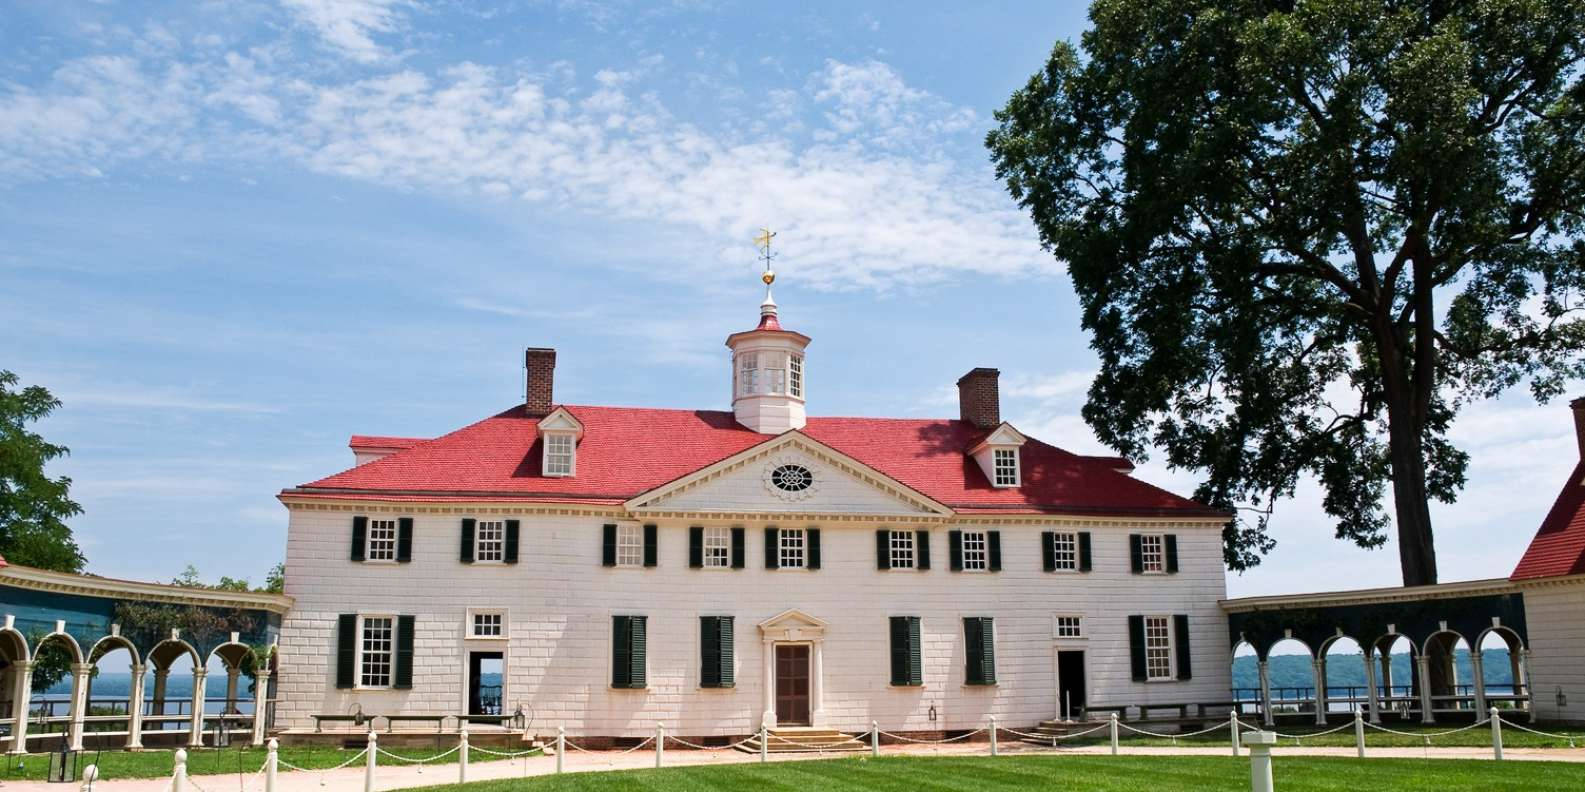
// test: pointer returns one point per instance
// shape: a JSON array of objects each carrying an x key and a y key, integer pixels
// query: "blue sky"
[{"x": 232, "y": 234}]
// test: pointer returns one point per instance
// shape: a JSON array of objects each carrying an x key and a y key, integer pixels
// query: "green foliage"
[
  {"x": 52, "y": 661},
  {"x": 149, "y": 623},
  {"x": 1305, "y": 234},
  {"x": 33, "y": 506},
  {"x": 274, "y": 582}
]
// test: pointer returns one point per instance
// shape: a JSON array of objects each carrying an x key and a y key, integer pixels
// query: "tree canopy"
[
  {"x": 1304, "y": 235},
  {"x": 33, "y": 506}
]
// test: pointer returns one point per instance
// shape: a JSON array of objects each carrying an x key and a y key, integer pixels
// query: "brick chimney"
[
  {"x": 540, "y": 369},
  {"x": 1578, "y": 405},
  {"x": 979, "y": 400}
]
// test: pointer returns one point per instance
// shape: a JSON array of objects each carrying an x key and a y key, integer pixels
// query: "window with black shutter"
[
  {"x": 360, "y": 536},
  {"x": 737, "y": 548},
  {"x": 715, "y": 652},
  {"x": 1171, "y": 542},
  {"x": 404, "y": 540},
  {"x": 404, "y": 652},
  {"x": 651, "y": 549},
  {"x": 1136, "y": 648},
  {"x": 1084, "y": 551},
  {"x": 907, "y": 654},
  {"x": 608, "y": 545},
  {"x": 955, "y": 550},
  {"x": 979, "y": 635},
  {"x": 1180, "y": 624},
  {"x": 696, "y": 547},
  {"x": 513, "y": 528},
  {"x": 628, "y": 651},
  {"x": 467, "y": 540},
  {"x": 922, "y": 550},
  {"x": 346, "y": 649},
  {"x": 812, "y": 559}
]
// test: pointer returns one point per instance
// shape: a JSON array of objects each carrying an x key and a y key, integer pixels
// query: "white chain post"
[
  {"x": 462, "y": 756},
  {"x": 90, "y": 775},
  {"x": 179, "y": 775},
  {"x": 561, "y": 745},
  {"x": 993, "y": 735},
  {"x": 660, "y": 743},
  {"x": 1359, "y": 731},
  {"x": 1232, "y": 727},
  {"x": 764, "y": 744},
  {"x": 1114, "y": 734},
  {"x": 370, "y": 759},
  {"x": 1260, "y": 743},
  {"x": 1496, "y": 734},
  {"x": 875, "y": 738},
  {"x": 272, "y": 764}
]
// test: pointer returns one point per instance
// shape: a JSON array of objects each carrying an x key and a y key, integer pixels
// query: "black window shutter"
[
  {"x": 1136, "y": 554},
  {"x": 921, "y": 549},
  {"x": 916, "y": 663},
  {"x": 467, "y": 540},
  {"x": 360, "y": 536},
  {"x": 709, "y": 651},
  {"x": 1136, "y": 646},
  {"x": 509, "y": 553},
  {"x": 1170, "y": 542},
  {"x": 812, "y": 540},
  {"x": 883, "y": 549},
  {"x": 637, "y": 675},
  {"x": 1180, "y": 625},
  {"x": 696, "y": 547},
  {"x": 404, "y": 653},
  {"x": 404, "y": 539},
  {"x": 899, "y": 635},
  {"x": 1084, "y": 551},
  {"x": 608, "y": 545},
  {"x": 728, "y": 648},
  {"x": 988, "y": 650},
  {"x": 737, "y": 548},
  {"x": 955, "y": 550},
  {"x": 1048, "y": 550},
  {"x": 978, "y": 637},
  {"x": 346, "y": 648},
  {"x": 993, "y": 542},
  {"x": 971, "y": 651},
  {"x": 771, "y": 557},
  {"x": 651, "y": 555},
  {"x": 621, "y": 651}
]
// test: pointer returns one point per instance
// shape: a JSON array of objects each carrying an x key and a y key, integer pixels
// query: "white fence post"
[
  {"x": 764, "y": 743},
  {"x": 371, "y": 757},
  {"x": 1260, "y": 743},
  {"x": 875, "y": 738},
  {"x": 462, "y": 756},
  {"x": 1496, "y": 734},
  {"x": 1232, "y": 727},
  {"x": 561, "y": 745},
  {"x": 179, "y": 775},
  {"x": 90, "y": 775},
  {"x": 660, "y": 742},
  {"x": 272, "y": 762},
  {"x": 1114, "y": 734},
  {"x": 1359, "y": 731},
  {"x": 993, "y": 735}
]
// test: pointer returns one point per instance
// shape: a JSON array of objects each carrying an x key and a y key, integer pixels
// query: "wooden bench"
[
  {"x": 320, "y": 720},
  {"x": 438, "y": 720}
]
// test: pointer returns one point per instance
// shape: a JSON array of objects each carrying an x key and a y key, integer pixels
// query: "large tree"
[
  {"x": 33, "y": 506},
  {"x": 1304, "y": 234}
]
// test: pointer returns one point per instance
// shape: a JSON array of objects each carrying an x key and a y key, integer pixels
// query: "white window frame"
[
  {"x": 381, "y": 524},
  {"x": 775, "y": 373},
  {"x": 1067, "y": 627},
  {"x": 491, "y": 550},
  {"x": 1160, "y": 657},
  {"x": 717, "y": 547},
  {"x": 980, "y": 560},
  {"x": 1153, "y": 554},
  {"x": 792, "y": 543},
  {"x": 560, "y": 454},
  {"x": 1004, "y": 465},
  {"x": 1065, "y": 551},
  {"x": 748, "y": 374},
  {"x": 795, "y": 376},
  {"x": 363, "y": 654},
  {"x": 629, "y": 545},
  {"x": 902, "y": 551},
  {"x": 473, "y": 624}
]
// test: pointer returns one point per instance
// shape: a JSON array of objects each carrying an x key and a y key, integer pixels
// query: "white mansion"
[{"x": 716, "y": 570}]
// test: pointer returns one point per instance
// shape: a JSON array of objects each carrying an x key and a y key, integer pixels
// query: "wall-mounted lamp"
[
  {"x": 933, "y": 711},
  {"x": 1562, "y": 698}
]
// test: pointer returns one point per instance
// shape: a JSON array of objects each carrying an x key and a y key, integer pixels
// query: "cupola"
[{"x": 769, "y": 374}]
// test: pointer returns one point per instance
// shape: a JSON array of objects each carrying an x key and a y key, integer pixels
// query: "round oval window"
[{"x": 792, "y": 478}]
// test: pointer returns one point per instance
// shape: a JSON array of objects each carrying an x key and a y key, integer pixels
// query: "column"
[
  {"x": 231, "y": 689},
  {"x": 1319, "y": 664},
  {"x": 1521, "y": 679},
  {"x": 160, "y": 675},
  {"x": 135, "y": 710},
  {"x": 195, "y": 736},
  {"x": 80, "y": 672},
  {"x": 1426, "y": 715},
  {"x": 1372, "y": 700},
  {"x": 1386, "y": 675},
  {"x": 1265, "y": 695},
  {"x": 261, "y": 703},
  {"x": 22, "y": 694},
  {"x": 1477, "y": 667},
  {"x": 769, "y": 718},
  {"x": 817, "y": 684}
]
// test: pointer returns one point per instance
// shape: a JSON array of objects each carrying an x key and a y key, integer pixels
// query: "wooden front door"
[{"x": 792, "y": 684}]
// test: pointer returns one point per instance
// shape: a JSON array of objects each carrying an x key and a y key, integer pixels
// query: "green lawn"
[
  {"x": 1478, "y": 737},
  {"x": 1104, "y": 773},
  {"x": 154, "y": 764}
]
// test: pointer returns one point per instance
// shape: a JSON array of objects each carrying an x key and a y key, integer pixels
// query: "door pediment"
[{"x": 793, "y": 625}]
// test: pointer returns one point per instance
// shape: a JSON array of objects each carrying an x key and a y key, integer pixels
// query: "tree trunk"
[{"x": 1416, "y": 550}]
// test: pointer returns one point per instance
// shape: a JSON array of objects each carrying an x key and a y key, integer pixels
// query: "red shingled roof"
[
  {"x": 1558, "y": 549},
  {"x": 381, "y": 441},
  {"x": 627, "y": 451}
]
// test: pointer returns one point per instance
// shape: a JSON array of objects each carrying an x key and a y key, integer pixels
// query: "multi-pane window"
[
  {"x": 902, "y": 550},
  {"x": 795, "y": 375},
  {"x": 717, "y": 547},
  {"x": 488, "y": 624},
  {"x": 775, "y": 373},
  {"x": 377, "y": 644},
  {"x": 489, "y": 541},
  {"x": 1064, "y": 551},
  {"x": 558, "y": 454},
  {"x": 975, "y": 556},
  {"x": 1151, "y": 556},
  {"x": 382, "y": 541},
  {"x": 630, "y": 545},
  {"x": 1005, "y": 464},
  {"x": 790, "y": 548},
  {"x": 1070, "y": 626},
  {"x": 748, "y": 374},
  {"x": 1158, "y": 647}
]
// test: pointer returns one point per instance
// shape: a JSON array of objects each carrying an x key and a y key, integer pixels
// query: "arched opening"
[
  {"x": 1396, "y": 680},
  {"x": 13, "y": 700},
  {"x": 1290, "y": 666},
  {"x": 169, "y": 698},
  {"x": 110, "y": 689},
  {"x": 1246, "y": 678},
  {"x": 1343, "y": 663},
  {"x": 54, "y": 659},
  {"x": 1450, "y": 692},
  {"x": 1502, "y": 669}
]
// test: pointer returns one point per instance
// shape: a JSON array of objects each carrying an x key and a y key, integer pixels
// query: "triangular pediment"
[
  {"x": 1003, "y": 435},
  {"x": 560, "y": 420},
  {"x": 825, "y": 481},
  {"x": 791, "y": 618}
]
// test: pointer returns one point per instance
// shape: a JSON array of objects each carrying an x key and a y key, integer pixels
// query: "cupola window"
[
  {"x": 748, "y": 375},
  {"x": 795, "y": 375}
]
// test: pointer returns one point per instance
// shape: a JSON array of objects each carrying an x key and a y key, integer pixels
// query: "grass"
[
  {"x": 1478, "y": 737},
  {"x": 119, "y": 764},
  {"x": 1102, "y": 773}
]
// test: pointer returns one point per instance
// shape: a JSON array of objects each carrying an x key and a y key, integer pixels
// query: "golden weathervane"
[{"x": 762, "y": 241}]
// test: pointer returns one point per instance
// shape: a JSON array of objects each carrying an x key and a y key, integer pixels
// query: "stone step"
[{"x": 805, "y": 741}]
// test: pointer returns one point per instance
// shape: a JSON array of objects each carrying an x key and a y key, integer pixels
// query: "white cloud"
[{"x": 350, "y": 25}]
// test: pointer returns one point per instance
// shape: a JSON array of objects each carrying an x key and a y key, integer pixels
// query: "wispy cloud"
[
  {"x": 135, "y": 399},
  {"x": 350, "y": 26}
]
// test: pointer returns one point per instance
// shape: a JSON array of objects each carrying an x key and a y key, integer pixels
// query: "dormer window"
[
  {"x": 1006, "y": 466},
  {"x": 999, "y": 458},
  {"x": 559, "y": 433},
  {"x": 559, "y": 449}
]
